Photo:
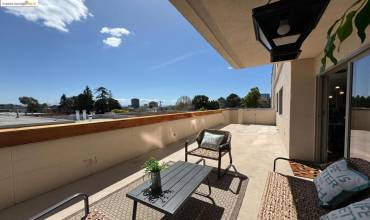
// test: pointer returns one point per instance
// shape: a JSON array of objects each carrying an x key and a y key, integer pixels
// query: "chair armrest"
[
  {"x": 47, "y": 212},
  {"x": 304, "y": 162},
  {"x": 224, "y": 146},
  {"x": 187, "y": 143}
]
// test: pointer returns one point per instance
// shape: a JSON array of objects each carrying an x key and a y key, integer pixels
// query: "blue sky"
[{"x": 146, "y": 50}]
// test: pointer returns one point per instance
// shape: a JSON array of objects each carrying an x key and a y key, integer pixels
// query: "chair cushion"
[
  {"x": 206, "y": 153},
  {"x": 211, "y": 141},
  {"x": 355, "y": 211},
  {"x": 338, "y": 182}
]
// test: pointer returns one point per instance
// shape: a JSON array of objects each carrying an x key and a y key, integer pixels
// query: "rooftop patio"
[{"x": 253, "y": 148}]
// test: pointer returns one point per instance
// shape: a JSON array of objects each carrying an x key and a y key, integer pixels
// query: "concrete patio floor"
[{"x": 253, "y": 148}]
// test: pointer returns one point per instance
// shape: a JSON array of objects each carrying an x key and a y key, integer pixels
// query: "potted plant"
[{"x": 154, "y": 167}]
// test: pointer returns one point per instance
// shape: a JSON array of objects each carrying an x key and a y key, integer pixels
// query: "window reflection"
[{"x": 360, "y": 112}]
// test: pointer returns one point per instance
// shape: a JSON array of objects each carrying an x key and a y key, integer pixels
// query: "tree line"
[
  {"x": 101, "y": 103},
  {"x": 202, "y": 102},
  {"x": 361, "y": 101}
]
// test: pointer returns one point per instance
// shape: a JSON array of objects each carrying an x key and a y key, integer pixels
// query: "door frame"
[
  {"x": 347, "y": 147},
  {"x": 322, "y": 106},
  {"x": 321, "y": 118}
]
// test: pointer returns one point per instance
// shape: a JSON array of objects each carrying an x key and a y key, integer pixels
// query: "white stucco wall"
[
  {"x": 31, "y": 169},
  {"x": 283, "y": 80}
]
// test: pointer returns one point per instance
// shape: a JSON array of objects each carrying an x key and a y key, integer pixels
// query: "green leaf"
[
  {"x": 331, "y": 29},
  {"x": 345, "y": 29},
  {"x": 323, "y": 60},
  {"x": 329, "y": 49},
  {"x": 323, "y": 66},
  {"x": 362, "y": 20}
]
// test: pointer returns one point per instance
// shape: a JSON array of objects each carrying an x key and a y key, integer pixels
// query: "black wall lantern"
[{"x": 282, "y": 26}]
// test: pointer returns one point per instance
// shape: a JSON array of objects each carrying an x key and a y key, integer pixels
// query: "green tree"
[
  {"x": 113, "y": 104},
  {"x": 31, "y": 103},
  {"x": 233, "y": 101},
  {"x": 213, "y": 104},
  {"x": 252, "y": 98},
  {"x": 221, "y": 102},
  {"x": 200, "y": 101},
  {"x": 104, "y": 101},
  {"x": 184, "y": 103},
  {"x": 101, "y": 103},
  {"x": 85, "y": 100},
  {"x": 44, "y": 107},
  {"x": 66, "y": 104}
]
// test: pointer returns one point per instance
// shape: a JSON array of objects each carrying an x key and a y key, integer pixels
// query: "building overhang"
[{"x": 228, "y": 27}]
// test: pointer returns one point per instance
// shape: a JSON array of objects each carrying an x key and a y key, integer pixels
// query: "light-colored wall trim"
[
  {"x": 253, "y": 116},
  {"x": 17, "y": 136}
]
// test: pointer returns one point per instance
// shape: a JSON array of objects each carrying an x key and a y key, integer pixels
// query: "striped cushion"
[
  {"x": 356, "y": 211},
  {"x": 211, "y": 141},
  {"x": 338, "y": 182}
]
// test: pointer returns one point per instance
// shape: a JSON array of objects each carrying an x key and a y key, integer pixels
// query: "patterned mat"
[
  {"x": 224, "y": 202},
  {"x": 304, "y": 171}
]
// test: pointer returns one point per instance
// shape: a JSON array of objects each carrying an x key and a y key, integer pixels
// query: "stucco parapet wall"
[{"x": 18, "y": 136}]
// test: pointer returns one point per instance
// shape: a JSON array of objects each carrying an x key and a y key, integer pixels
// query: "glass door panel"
[{"x": 360, "y": 109}]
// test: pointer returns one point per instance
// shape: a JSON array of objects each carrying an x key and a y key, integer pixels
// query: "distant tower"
[
  {"x": 135, "y": 103},
  {"x": 153, "y": 104}
]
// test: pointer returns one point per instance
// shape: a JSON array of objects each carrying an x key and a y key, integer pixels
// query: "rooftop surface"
[
  {"x": 253, "y": 148},
  {"x": 9, "y": 120}
]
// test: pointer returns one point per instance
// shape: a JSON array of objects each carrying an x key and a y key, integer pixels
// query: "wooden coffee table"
[{"x": 179, "y": 181}]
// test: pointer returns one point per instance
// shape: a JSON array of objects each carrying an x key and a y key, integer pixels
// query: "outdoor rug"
[
  {"x": 224, "y": 202},
  {"x": 304, "y": 171}
]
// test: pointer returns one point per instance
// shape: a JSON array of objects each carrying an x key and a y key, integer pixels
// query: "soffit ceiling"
[{"x": 227, "y": 25}]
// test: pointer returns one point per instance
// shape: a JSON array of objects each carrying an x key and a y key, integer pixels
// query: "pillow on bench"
[
  {"x": 356, "y": 211},
  {"x": 338, "y": 182},
  {"x": 211, "y": 141}
]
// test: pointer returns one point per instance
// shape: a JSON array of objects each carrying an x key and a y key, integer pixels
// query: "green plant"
[
  {"x": 359, "y": 15},
  {"x": 152, "y": 165}
]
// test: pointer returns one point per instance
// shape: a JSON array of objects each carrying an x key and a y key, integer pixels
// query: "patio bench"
[{"x": 288, "y": 197}]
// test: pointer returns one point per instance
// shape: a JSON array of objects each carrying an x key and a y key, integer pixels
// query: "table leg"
[
  {"x": 209, "y": 187},
  {"x": 134, "y": 211}
]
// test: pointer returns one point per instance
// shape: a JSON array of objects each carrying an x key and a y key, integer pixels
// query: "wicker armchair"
[
  {"x": 291, "y": 198},
  {"x": 223, "y": 149}
]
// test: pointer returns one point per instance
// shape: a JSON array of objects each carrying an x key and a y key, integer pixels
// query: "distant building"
[
  {"x": 135, "y": 103},
  {"x": 265, "y": 100},
  {"x": 12, "y": 108},
  {"x": 153, "y": 104},
  {"x": 265, "y": 95}
]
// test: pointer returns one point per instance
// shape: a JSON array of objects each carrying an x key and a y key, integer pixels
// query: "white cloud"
[
  {"x": 230, "y": 67},
  {"x": 115, "y": 35},
  {"x": 116, "y": 32},
  {"x": 112, "y": 41},
  {"x": 56, "y": 14}
]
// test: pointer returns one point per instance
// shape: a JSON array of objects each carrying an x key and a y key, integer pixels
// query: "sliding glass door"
[{"x": 359, "y": 128}]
